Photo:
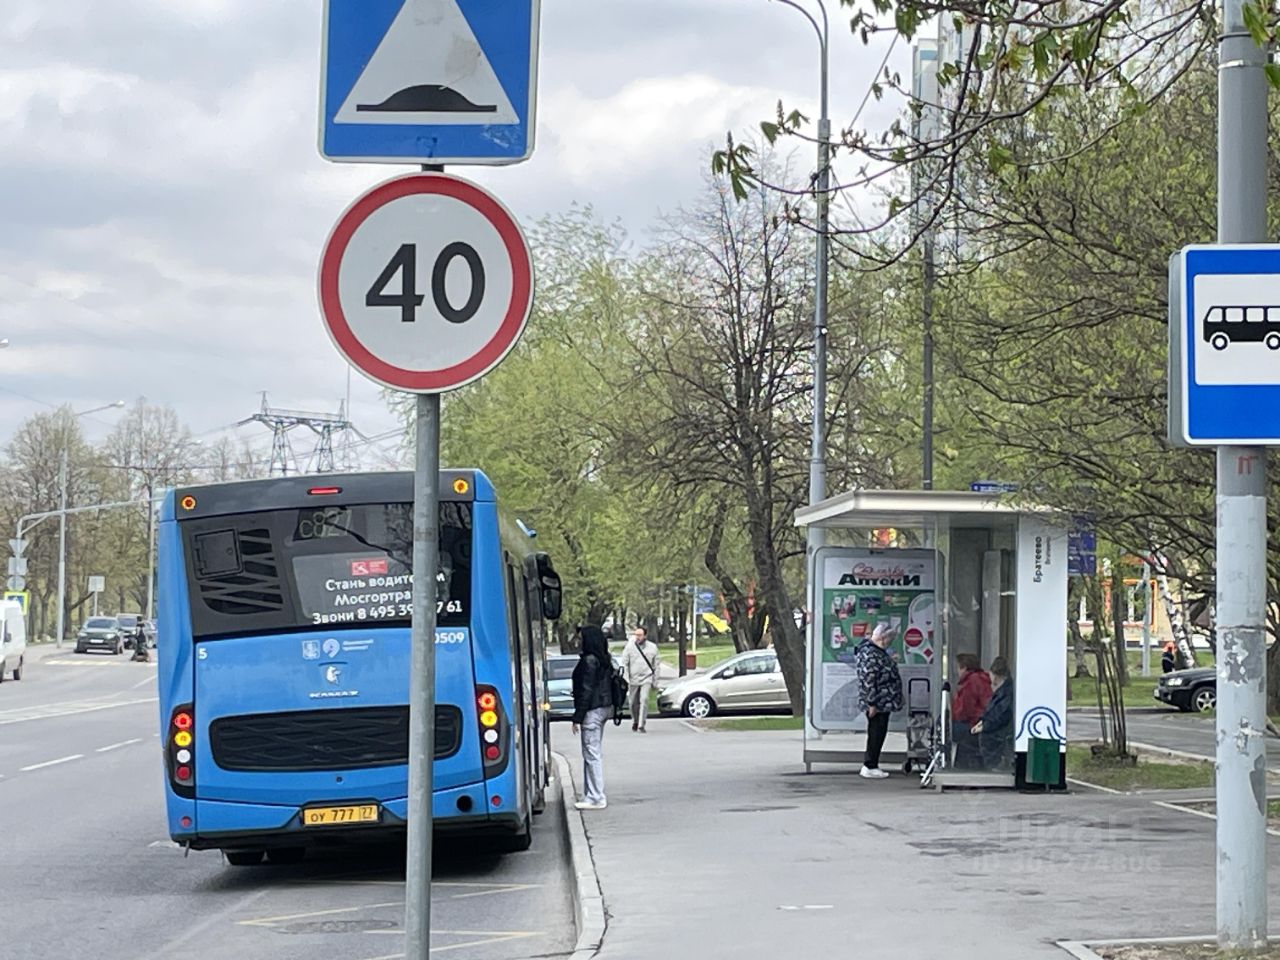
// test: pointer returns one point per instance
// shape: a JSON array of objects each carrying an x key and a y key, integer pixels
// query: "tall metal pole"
[
  {"x": 62, "y": 546},
  {"x": 693, "y": 617},
  {"x": 422, "y": 680},
  {"x": 927, "y": 414},
  {"x": 818, "y": 452},
  {"x": 151, "y": 554},
  {"x": 815, "y": 536},
  {"x": 1146, "y": 619},
  {"x": 1242, "y": 525}
]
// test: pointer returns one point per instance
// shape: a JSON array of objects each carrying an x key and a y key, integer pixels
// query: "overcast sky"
[{"x": 162, "y": 203}]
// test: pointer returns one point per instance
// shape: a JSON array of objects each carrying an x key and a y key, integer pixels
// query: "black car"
[
  {"x": 100, "y": 633},
  {"x": 1194, "y": 689}
]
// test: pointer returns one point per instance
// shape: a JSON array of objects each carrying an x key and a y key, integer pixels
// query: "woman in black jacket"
[
  {"x": 995, "y": 729},
  {"x": 592, "y": 708}
]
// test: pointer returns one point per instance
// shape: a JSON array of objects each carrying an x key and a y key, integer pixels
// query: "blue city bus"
[{"x": 284, "y": 652}]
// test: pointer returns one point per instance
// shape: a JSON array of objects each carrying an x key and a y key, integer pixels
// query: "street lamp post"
[
  {"x": 62, "y": 524},
  {"x": 817, "y": 453},
  {"x": 822, "y": 184}
]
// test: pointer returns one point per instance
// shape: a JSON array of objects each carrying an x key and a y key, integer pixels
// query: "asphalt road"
[
  {"x": 1164, "y": 727},
  {"x": 87, "y": 869}
]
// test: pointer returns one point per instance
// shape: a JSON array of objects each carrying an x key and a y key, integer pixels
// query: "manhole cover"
[{"x": 338, "y": 926}]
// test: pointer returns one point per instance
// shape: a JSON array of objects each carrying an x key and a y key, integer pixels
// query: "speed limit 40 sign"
[{"x": 425, "y": 283}]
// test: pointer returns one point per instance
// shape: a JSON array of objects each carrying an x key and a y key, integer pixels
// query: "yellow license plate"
[{"x": 336, "y": 816}]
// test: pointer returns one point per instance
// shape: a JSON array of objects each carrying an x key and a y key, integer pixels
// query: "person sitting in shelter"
[
  {"x": 973, "y": 692},
  {"x": 995, "y": 729}
]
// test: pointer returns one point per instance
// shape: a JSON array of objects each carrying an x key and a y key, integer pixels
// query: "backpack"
[{"x": 617, "y": 693}]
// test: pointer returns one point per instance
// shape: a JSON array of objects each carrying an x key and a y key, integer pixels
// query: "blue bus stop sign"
[
  {"x": 428, "y": 81},
  {"x": 1224, "y": 345}
]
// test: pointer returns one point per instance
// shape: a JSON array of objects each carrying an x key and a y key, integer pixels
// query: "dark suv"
[{"x": 1194, "y": 689}]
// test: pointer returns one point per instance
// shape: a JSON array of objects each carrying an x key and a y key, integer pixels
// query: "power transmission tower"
[{"x": 282, "y": 422}]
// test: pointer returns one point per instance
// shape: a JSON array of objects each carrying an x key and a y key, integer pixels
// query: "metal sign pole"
[
  {"x": 1242, "y": 525},
  {"x": 422, "y": 680}
]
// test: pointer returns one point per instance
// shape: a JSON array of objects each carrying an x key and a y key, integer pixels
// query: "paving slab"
[{"x": 717, "y": 844}]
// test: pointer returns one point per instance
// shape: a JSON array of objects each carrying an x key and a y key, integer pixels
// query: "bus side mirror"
[
  {"x": 552, "y": 597},
  {"x": 549, "y": 582}
]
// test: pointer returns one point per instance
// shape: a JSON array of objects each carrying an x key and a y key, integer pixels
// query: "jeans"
[
  {"x": 877, "y": 730},
  {"x": 638, "y": 693},
  {"x": 592, "y": 759}
]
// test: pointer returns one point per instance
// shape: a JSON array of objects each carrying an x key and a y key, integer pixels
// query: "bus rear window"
[{"x": 332, "y": 566}]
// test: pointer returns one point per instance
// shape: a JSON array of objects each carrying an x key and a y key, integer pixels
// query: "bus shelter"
[{"x": 948, "y": 573}]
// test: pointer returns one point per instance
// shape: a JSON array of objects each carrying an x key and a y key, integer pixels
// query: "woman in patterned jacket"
[{"x": 879, "y": 694}]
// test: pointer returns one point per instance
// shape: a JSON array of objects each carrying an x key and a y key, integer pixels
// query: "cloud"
[{"x": 164, "y": 203}]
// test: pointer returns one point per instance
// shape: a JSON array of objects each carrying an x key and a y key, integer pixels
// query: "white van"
[{"x": 13, "y": 639}]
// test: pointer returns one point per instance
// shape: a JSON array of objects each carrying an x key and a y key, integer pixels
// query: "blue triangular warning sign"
[{"x": 437, "y": 81}]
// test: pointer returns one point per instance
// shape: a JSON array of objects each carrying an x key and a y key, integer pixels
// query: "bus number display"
[{"x": 323, "y": 523}]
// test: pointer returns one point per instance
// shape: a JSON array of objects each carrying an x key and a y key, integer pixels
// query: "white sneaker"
[
  {"x": 873, "y": 773},
  {"x": 588, "y": 805}
]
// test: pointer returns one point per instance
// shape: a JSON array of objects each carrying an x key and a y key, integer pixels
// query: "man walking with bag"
[{"x": 640, "y": 668}]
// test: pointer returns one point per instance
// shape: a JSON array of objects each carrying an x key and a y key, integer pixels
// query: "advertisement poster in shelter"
[{"x": 861, "y": 588}]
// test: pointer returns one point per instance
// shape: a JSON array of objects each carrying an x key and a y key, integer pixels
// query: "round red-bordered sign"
[{"x": 425, "y": 283}]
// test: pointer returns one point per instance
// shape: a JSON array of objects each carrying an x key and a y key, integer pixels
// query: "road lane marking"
[
  {"x": 1201, "y": 813},
  {"x": 51, "y": 763},
  {"x": 114, "y": 746},
  {"x": 490, "y": 937},
  {"x": 477, "y": 888},
  {"x": 140, "y": 683},
  {"x": 485, "y": 937},
  {"x": 177, "y": 945},
  {"x": 270, "y": 921},
  {"x": 66, "y": 708},
  {"x": 496, "y": 888}
]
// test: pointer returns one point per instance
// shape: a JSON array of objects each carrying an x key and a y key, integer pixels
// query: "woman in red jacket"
[{"x": 973, "y": 691}]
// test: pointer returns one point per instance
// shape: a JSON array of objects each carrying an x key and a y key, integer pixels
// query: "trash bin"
[
  {"x": 690, "y": 660},
  {"x": 1044, "y": 761}
]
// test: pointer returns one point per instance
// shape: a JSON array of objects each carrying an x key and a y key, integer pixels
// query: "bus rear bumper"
[{"x": 226, "y": 825}]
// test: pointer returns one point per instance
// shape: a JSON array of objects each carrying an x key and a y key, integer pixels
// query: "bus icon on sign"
[{"x": 1225, "y": 325}]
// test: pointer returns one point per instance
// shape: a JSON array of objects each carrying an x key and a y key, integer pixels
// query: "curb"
[
  {"x": 1272, "y": 773},
  {"x": 1081, "y": 950},
  {"x": 1169, "y": 752},
  {"x": 588, "y": 901}
]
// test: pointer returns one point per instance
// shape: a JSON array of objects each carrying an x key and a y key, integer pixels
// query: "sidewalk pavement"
[
  {"x": 38, "y": 651},
  {"x": 717, "y": 844}
]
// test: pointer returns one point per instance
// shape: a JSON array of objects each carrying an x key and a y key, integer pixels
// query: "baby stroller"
[
  {"x": 921, "y": 734},
  {"x": 938, "y": 746}
]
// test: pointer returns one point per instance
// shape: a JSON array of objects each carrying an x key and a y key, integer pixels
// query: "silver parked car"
[
  {"x": 748, "y": 681},
  {"x": 560, "y": 685}
]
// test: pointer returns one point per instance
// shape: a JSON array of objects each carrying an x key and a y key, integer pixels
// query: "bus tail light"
[
  {"x": 494, "y": 730},
  {"x": 180, "y": 750}
]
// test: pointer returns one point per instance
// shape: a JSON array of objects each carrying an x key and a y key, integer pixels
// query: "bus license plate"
[{"x": 335, "y": 816}]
